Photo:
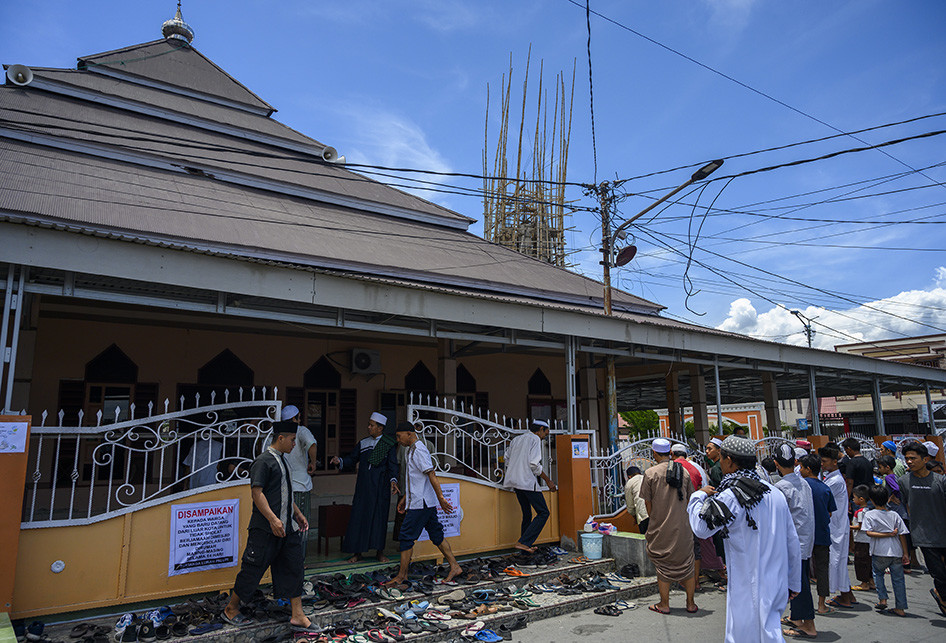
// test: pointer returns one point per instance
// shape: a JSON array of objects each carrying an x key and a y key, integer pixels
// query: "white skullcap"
[
  {"x": 380, "y": 419},
  {"x": 716, "y": 441},
  {"x": 676, "y": 447},
  {"x": 288, "y": 412},
  {"x": 540, "y": 423},
  {"x": 661, "y": 445},
  {"x": 800, "y": 453},
  {"x": 931, "y": 448}
]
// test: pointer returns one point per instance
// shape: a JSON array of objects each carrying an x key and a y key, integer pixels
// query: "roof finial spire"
[{"x": 177, "y": 28}]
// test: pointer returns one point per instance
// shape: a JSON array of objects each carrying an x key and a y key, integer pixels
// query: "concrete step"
[{"x": 549, "y": 605}]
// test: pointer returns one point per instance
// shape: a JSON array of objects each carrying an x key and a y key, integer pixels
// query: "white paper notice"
[
  {"x": 13, "y": 437},
  {"x": 579, "y": 449},
  {"x": 451, "y": 521},
  {"x": 204, "y": 536}
]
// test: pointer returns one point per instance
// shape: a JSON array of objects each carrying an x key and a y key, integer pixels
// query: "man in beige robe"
[{"x": 669, "y": 537}]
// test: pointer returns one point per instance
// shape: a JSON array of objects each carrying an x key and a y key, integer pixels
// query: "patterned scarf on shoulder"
[{"x": 748, "y": 489}]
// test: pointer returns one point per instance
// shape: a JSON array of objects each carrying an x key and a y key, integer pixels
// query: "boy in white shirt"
[
  {"x": 422, "y": 495},
  {"x": 888, "y": 549}
]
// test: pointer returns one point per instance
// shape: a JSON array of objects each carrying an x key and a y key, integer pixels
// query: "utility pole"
[
  {"x": 605, "y": 197},
  {"x": 604, "y": 192},
  {"x": 806, "y": 322}
]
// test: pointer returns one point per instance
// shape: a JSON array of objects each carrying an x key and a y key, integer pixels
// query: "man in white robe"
[
  {"x": 762, "y": 551},
  {"x": 838, "y": 579}
]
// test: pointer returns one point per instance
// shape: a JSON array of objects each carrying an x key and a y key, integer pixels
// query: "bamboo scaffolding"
[{"x": 526, "y": 211}]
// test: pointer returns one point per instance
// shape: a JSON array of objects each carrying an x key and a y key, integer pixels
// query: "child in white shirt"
[{"x": 888, "y": 547}]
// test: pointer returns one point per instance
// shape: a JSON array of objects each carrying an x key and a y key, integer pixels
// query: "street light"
[{"x": 625, "y": 256}]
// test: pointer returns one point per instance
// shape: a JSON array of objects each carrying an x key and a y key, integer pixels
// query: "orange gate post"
[
  {"x": 575, "y": 499},
  {"x": 14, "y": 443}
]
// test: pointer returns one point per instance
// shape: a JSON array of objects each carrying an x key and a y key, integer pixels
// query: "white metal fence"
[
  {"x": 84, "y": 474},
  {"x": 472, "y": 444}
]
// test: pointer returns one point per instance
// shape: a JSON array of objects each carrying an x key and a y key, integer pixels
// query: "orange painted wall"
[{"x": 119, "y": 560}]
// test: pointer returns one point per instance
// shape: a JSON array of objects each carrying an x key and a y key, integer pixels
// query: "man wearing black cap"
[
  {"x": 272, "y": 541},
  {"x": 422, "y": 496},
  {"x": 762, "y": 550}
]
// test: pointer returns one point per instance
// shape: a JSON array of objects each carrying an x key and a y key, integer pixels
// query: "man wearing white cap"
[
  {"x": 665, "y": 489},
  {"x": 933, "y": 464},
  {"x": 523, "y": 471},
  {"x": 301, "y": 462},
  {"x": 712, "y": 452},
  {"x": 376, "y": 482}
]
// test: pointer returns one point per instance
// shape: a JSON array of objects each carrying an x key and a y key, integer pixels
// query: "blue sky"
[{"x": 403, "y": 83}]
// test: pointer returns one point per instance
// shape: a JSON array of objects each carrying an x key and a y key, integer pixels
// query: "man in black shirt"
[
  {"x": 859, "y": 470},
  {"x": 273, "y": 542}
]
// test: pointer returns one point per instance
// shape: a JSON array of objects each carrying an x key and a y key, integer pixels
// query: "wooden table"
[{"x": 333, "y": 521}]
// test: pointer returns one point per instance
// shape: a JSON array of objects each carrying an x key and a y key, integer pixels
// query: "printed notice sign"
[
  {"x": 13, "y": 437},
  {"x": 204, "y": 536},
  {"x": 579, "y": 449},
  {"x": 451, "y": 521}
]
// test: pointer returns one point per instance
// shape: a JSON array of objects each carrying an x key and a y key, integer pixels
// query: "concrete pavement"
[{"x": 861, "y": 624}]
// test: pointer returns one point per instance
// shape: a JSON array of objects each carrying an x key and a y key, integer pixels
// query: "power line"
[
  {"x": 749, "y": 87},
  {"x": 591, "y": 92},
  {"x": 821, "y": 290}
]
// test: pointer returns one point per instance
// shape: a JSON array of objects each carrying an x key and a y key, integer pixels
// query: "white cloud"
[
  {"x": 911, "y": 312},
  {"x": 732, "y": 14},
  {"x": 382, "y": 137}
]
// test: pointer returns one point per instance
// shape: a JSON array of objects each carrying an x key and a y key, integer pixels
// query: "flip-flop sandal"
[
  {"x": 694, "y": 610},
  {"x": 579, "y": 559},
  {"x": 377, "y": 636},
  {"x": 880, "y": 608},
  {"x": 80, "y": 630},
  {"x": 625, "y": 605},
  {"x": 939, "y": 603},
  {"x": 796, "y": 633},
  {"x": 890, "y": 612},
  {"x": 608, "y": 610},
  {"x": 470, "y": 630},
  {"x": 835, "y": 603},
  {"x": 654, "y": 608},
  {"x": 205, "y": 628},
  {"x": 394, "y": 632},
  {"x": 488, "y": 635},
  {"x": 831, "y": 611}
]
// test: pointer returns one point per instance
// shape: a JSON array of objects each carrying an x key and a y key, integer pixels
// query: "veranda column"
[
  {"x": 878, "y": 405},
  {"x": 673, "y": 403},
  {"x": 770, "y": 394},
  {"x": 813, "y": 402},
  {"x": 698, "y": 401},
  {"x": 571, "y": 401}
]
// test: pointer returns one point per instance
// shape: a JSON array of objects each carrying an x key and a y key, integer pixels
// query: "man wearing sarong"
[
  {"x": 376, "y": 458},
  {"x": 838, "y": 579},
  {"x": 762, "y": 552},
  {"x": 665, "y": 489}
]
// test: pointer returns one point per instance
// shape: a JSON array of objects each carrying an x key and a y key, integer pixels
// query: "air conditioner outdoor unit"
[{"x": 365, "y": 362}]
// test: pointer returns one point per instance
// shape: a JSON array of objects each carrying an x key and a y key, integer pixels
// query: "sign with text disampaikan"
[{"x": 204, "y": 536}]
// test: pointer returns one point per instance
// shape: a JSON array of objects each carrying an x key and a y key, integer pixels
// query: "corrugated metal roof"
[
  {"x": 201, "y": 213},
  {"x": 78, "y": 120},
  {"x": 176, "y": 63},
  {"x": 150, "y": 96}
]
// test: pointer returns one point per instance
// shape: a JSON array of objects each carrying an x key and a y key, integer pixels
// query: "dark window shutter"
[
  {"x": 295, "y": 395},
  {"x": 481, "y": 402},
  {"x": 347, "y": 419},
  {"x": 71, "y": 400},
  {"x": 145, "y": 393}
]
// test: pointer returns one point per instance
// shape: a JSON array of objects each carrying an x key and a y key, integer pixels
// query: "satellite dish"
[
  {"x": 626, "y": 255},
  {"x": 19, "y": 75}
]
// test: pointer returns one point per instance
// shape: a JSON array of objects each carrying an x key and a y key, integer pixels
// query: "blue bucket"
[{"x": 592, "y": 545}]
